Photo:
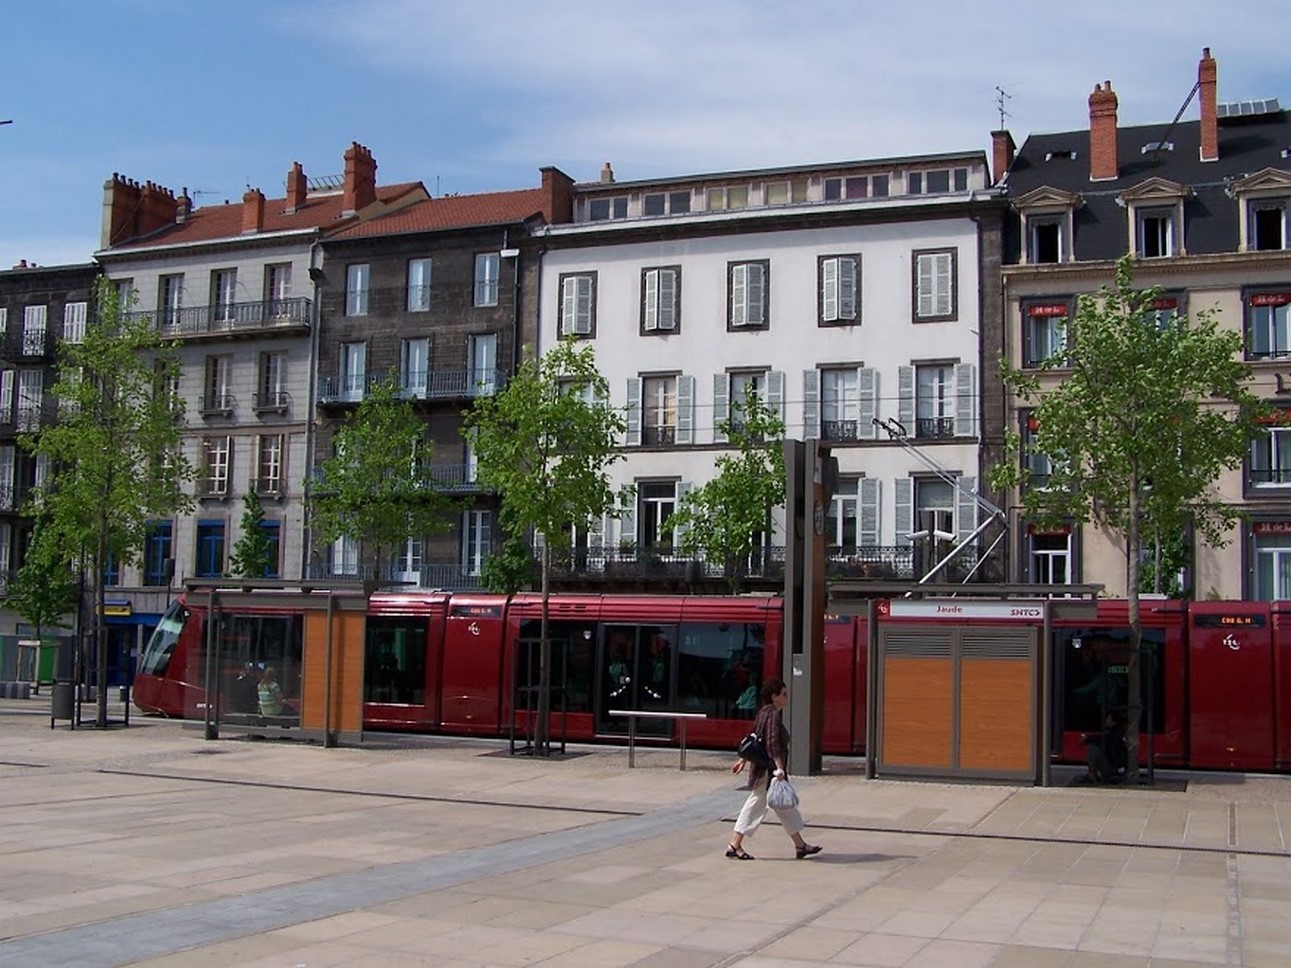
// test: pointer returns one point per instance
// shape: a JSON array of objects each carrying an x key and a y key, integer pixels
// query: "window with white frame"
[
  {"x": 216, "y": 459},
  {"x": 839, "y": 278},
  {"x": 8, "y": 380},
  {"x": 1154, "y": 233},
  {"x": 1049, "y": 556},
  {"x": 847, "y": 188},
  {"x": 661, "y": 299},
  {"x": 934, "y": 285},
  {"x": 418, "y": 285},
  {"x": 1045, "y": 238},
  {"x": 357, "y": 288},
  {"x": 405, "y": 563},
  {"x": 271, "y": 391},
  {"x": 33, "y": 330},
  {"x": 170, "y": 300},
  {"x": 656, "y": 502},
  {"x": 659, "y": 411},
  {"x": 4, "y": 321},
  {"x": 488, "y": 269},
  {"x": 578, "y": 304},
  {"x": 1044, "y": 330},
  {"x": 74, "y": 314},
  {"x": 665, "y": 203},
  {"x": 414, "y": 367},
  {"x": 345, "y": 556},
  {"x": 934, "y": 400},
  {"x": 604, "y": 208},
  {"x": 1038, "y": 465},
  {"x": 1266, "y": 225},
  {"x": 8, "y": 464},
  {"x": 477, "y": 529},
  {"x": 747, "y": 294},
  {"x": 277, "y": 288},
  {"x": 1271, "y": 550},
  {"x": 722, "y": 197},
  {"x": 126, "y": 294},
  {"x": 485, "y": 376},
  {"x": 224, "y": 294},
  {"x": 30, "y": 398},
  {"x": 1268, "y": 324},
  {"x": 1270, "y": 459},
  {"x": 840, "y": 403},
  {"x": 784, "y": 191},
  {"x": 354, "y": 371},
  {"x": 269, "y": 455},
  {"x": 840, "y": 520},
  {"x": 934, "y": 502},
  {"x": 936, "y": 181},
  {"x": 217, "y": 397}
]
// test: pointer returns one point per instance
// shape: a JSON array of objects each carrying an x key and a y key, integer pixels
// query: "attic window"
[
  {"x": 1153, "y": 146},
  {"x": 1068, "y": 154}
]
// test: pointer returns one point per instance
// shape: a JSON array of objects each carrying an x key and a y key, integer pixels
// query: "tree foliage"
[
  {"x": 45, "y": 590},
  {"x": 252, "y": 555},
  {"x": 376, "y": 488},
  {"x": 720, "y": 519},
  {"x": 545, "y": 445},
  {"x": 1144, "y": 416},
  {"x": 115, "y": 449}
]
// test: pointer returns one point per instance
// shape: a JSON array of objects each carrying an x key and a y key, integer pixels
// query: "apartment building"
[{"x": 1203, "y": 206}]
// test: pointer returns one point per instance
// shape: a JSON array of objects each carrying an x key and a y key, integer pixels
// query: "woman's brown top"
[{"x": 770, "y": 727}]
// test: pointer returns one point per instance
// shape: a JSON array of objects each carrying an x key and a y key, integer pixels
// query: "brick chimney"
[
  {"x": 360, "y": 179},
  {"x": 1102, "y": 133},
  {"x": 252, "y": 211},
  {"x": 1207, "y": 81},
  {"x": 120, "y": 210},
  {"x": 157, "y": 208},
  {"x": 557, "y": 196},
  {"x": 183, "y": 206},
  {"x": 1003, "y": 150},
  {"x": 297, "y": 188},
  {"x": 607, "y": 173}
]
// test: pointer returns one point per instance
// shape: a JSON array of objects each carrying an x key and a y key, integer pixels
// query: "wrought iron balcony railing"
[
  {"x": 439, "y": 385},
  {"x": 838, "y": 429},
  {"x": 218, "y": 403},
  {"x": 273, "y": 486},
  {"x": 271, "y": 401},
  {"x": 658, "y": 436},
  {"x": 220, "y": 318},
  {"x": 448, "y": 576},
  {"x": 934, "y": 427}
]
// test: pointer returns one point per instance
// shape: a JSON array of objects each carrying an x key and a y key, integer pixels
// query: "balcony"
[
  {"x": 224, "y": 319},
  {"x": 219, "y": 403},
  {"x": 271, "y": 487},
  {"x": 212, "y": 487},
  {"x": 933, "y": 428},
  {"x": 838, "y": 430},
  {"x": 271, "y": 401},
  {"x": 459, "y": 478},
  {"x": 438, "y": 385},
  {"x": 658, "y": 436},
  {"x": 446, "y": 576}
]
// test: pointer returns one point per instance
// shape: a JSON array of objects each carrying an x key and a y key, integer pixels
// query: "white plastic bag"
[{"x": 782, "y": 795}]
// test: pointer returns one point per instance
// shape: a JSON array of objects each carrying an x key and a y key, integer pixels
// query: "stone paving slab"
[{"x": 151, "y": 846}]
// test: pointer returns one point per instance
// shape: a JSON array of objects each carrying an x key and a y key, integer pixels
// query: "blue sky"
[{"x": 467, "y": 96}]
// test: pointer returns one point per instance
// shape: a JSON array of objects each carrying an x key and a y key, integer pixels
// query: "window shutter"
[
  {"x": 966, "y": 507},
  {"x": 905, "y": 510},
  {"x": 633, "y": 410},
  {"x": 595, "y": 543},
  {"x": 757, "y": 293},
  {"x": 667, "y": 315},
  {"x": 942, "y": 283},
  {"x": 651, "y": 297},
  {"x": 4, "y": 320},
  {"x": 924, "y": 271},
  {"x": 685, "y": 409},
  {"x": 628, "y": 527},
  {"x": 6, "y": 395},
  {"x": 720, "y": 386},
  {"x": 810, "y": 404},
  {"x": 868, "y": 525},
  {"x": 74, "y": 322},
  {"x": 829, "y": 289},
  {"x": 583, "y": 309},
  {"x": 965, "y": 399},
  {"x": 775, "y": 392},
  {"x": 683, "y": 488},
  {"x": 568, "y": 305},
  {"x": 739, "y": 295},
  {"x": 867, "y": 387},
  {"x": 905, "y": 399},
  {"x": 847, "y": 288}
]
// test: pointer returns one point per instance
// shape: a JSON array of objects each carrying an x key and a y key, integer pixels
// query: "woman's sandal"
[
  {"x": 806, "y": 850},
  {"x": 738, "y": 853}
]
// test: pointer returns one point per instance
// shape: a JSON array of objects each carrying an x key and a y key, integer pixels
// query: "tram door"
[{"x": 636, "y": 670}]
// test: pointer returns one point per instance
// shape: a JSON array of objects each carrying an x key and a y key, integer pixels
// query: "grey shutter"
[
  {"x": 867, "y": 387},
  {"x": 628, "y": 528},
  {"x": 847, "y": 288},
  {"x": 739, "y": 295},
  {"x": 683, "y": 488},
  {"x": 652, "y": 277},
  {"x": 596, "y": 543},
  {"x": 568, "y": 305},
  {"x": 685, "y": 409},
  {"x": 757, "y": 295},
  {"x": 829, "y": 272},
  {"x": 720, "y": 385},
  {"x": 966, "y": 507},
  {"x": 905, "y": 510},
  {"x": 905, "y": 399},
  {"x": 775, "y": 392},
  {"x": 633, "y": 410},
  {"x": 965, "y": 399},
  {"x": 868, "y": 498},
  {"x": 667, "y": 305},
  {"x": 810, "y": 404}
]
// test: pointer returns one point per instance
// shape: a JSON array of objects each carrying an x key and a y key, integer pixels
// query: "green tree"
[
  {"x": 1146, "y": 415},
  {"x": 253, "y": 555},
  {"x": 45, "y": 590},
  {"x": 545, "y": 444},
  {"x": 115, "y": 449},
  {"x": 721, "y": 519},
  {"x": 376, "y": 488}
]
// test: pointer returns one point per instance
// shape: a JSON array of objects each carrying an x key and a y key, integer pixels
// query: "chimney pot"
[
  {"x": 252, "y": 211},
  {"x": 607, "y": 173},
  {"x": 360, "y": 179}
]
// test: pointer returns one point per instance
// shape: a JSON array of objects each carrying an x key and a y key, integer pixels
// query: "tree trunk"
[
  {"x": 1133, "y": 686},
  {"x": 100, "y": 626},
  {"x": 542, "y": 730}
]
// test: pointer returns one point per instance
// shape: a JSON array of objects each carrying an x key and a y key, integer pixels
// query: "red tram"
[{"x": 1216, "y": 676}]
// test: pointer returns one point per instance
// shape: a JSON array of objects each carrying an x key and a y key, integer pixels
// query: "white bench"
[{"x": 634, "y": 714}]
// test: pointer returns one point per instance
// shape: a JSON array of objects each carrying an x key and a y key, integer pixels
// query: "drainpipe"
[{"x": 316, "y": 324}]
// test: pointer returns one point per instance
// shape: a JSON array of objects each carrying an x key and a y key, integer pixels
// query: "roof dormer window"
[{"x": 1264, "y": 210}]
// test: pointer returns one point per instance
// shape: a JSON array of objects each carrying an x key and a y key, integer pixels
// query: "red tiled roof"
[
  {"x": 214, "y": 222},
  {"x": 451, "y": 212}
]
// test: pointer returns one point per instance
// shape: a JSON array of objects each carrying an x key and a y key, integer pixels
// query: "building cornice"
[{"x": 1178, "y": 266}]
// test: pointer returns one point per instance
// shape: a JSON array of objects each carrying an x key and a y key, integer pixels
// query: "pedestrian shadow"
[{"x": 840, "y": 857}]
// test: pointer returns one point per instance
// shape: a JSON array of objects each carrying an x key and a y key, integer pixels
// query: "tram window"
[
  {"x": 156, "y": 655},
  {"x": 577, "y": 640},
  {"x": 395, "y": 662},
  {"x": 1095, "y": 677},
  {"x": 719, "y": 668}
]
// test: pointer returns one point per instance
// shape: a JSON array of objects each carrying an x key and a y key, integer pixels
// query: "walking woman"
[{"x": 770, "y": 727}]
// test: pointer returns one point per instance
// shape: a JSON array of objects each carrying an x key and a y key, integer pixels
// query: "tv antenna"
[{"x": 1002, "y": 97}]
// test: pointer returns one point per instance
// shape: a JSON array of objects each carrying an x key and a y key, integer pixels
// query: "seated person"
[
  {"x": 1106, "y": 752},
  {"x": 270, "y": 694}
]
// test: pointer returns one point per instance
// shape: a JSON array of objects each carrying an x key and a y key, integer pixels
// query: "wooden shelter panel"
[
  {"x": 346, "y": 670},
  {"x": 917, "y": 710},
  {"x": 996, "y": 715}
]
